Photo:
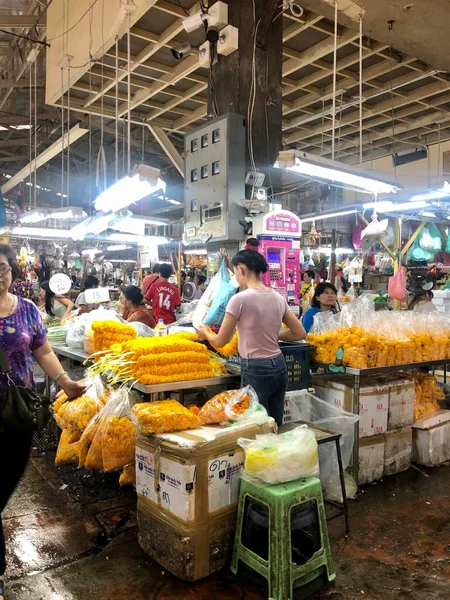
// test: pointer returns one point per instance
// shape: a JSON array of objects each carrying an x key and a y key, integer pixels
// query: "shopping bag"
[{"x": 397, "y": 285}]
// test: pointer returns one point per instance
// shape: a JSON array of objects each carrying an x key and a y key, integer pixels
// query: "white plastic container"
[
  {"x": 371, "y": 459},
  {"x": 431, "y": 439},
  {"x": 397, "y": 451}
]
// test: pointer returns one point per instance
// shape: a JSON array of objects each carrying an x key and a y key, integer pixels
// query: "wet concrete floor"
[{"x": 72, "y": 536}]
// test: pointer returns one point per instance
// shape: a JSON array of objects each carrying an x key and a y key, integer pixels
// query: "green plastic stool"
[{"x": 281, "y": 572}]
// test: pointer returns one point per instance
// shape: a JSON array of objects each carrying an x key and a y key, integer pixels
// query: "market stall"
[{"x": 380, "y": 366}]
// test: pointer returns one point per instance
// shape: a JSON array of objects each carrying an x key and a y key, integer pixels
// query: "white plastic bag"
[
  {"x": 76, "y": 328},
  {"x": 273, "y": 458},
  {"x": 316, "y": 411}
]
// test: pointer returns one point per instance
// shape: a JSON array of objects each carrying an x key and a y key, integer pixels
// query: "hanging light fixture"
[
  {"x": 95, "y": 225},
  {"x": 315, "y": 167},
  {"x": 444, "y": 192},
  {"x": 139, "y": 183},
  {"x": 36, "y": 215}
]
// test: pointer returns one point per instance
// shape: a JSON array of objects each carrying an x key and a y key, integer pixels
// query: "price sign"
[
  {"x": 60, "y": 284},
  {"x": 97, "y": 295}
]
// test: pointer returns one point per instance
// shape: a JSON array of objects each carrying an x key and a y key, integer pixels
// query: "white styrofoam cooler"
[
  {"x": 371, "y": 459},
  {"x": 397, "y": 451},
  {"x": 431, "y": 439}
]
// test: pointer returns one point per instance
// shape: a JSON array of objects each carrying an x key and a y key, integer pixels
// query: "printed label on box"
[
  {"x": 175, "y": 489},
  {"x": 223, "y": 480}
]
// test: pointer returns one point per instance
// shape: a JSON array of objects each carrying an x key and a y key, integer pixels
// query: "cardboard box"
[
  {"x": 371, "y": 459},
  {"x": 188, "y": 487},
  {"x": 190, "y": 552},
  {"x": 397, "y": 451},
  {"x": 402, "y": 396},
  {"x": 191, "y": 475},
  {"x": 373, "y": 402},
  {"x": 431, "y": 439}
]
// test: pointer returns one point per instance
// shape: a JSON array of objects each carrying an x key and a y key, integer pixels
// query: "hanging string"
[
  {"x": 35, "y": 131},
  {"x": 334, "y": 78},
  {"x": 100, "y": 177},
  {"x": 31, "y": 126},
  {"x": 129, "y": 89},
  {"x": 360, "y": 89},
  {"x": 68, "y": 133},
  {"x": 117, "y": 110},
  {"x": 62, "y": 136},
  {"x": 143, "y": 141}
]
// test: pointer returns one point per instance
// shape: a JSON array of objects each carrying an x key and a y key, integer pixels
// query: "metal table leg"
[
  {"x": 355, "y": 465},
  {"x": 344, "y": 493}
]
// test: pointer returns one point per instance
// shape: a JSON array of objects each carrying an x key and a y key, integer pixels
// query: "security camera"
[
  {"x": 194, "y": 22},
  {"x": 182, "y": 51}
]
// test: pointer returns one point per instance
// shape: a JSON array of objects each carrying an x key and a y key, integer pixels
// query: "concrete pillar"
[{"x": 232, "y": 75}]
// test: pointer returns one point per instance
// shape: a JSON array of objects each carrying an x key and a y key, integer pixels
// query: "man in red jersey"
[{"x": 164, "y": 296}]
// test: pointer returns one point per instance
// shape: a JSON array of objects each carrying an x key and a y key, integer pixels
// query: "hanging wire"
[
  {"x": 116, "y": 144},
  {"x": 129, "y": 88},
  {"x": 100, "y": 176},
  {"x": 360, "y": 89},
  {"x": 31, "y": 125},
  {"x": 334, "y": 77},
  {"x": 35, "y": 132},
  {"x": 143, "y": 141},
  {"x": 62, "y": 135},
  {"x": 323, "y": 126},
  {"x": 68, "y": 133}
]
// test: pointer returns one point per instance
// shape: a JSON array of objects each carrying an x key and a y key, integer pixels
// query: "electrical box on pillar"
[
  {"x": 215, "y": 181},
  {"x": 279, "y": 233}
]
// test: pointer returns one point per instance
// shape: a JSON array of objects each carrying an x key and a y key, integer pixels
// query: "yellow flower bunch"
[
  {"x": 364, "y": 349},
  {"x": 107, "y": 333},
  {"x": 118, "y": 442},
  {"x": 163, "y": 417},
  {"x": 230, "y": 349}
]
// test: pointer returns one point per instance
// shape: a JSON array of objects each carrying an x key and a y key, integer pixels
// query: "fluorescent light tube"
[
  {"x": 316, "y": 167},
  {"x": 389, "y": 206},
  {"x": 40, "y": 232},
  {"x": 36, "y": 215},
  {"x": 444, "y": 192},
  {"x": 94, "y": 225},
  {"x": 319, "y": 217},
  {"x": 138, "y": 184},
  {"x": 117, "y": 248},
  {"x": 74, "y": 212}
]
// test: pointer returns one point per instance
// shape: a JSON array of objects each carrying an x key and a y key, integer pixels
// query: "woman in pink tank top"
[{"x": 258, "y": 313}]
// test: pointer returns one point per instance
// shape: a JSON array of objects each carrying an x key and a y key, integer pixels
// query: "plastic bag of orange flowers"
[
  {"x": 234, "y": 405},
  {"x": 78, "y": 413},
  {"x": 109, "y": 441}
]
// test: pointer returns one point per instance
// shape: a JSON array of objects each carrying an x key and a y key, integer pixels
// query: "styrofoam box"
[
  {"x": 373, "y": 403},
  {"x": 371, "y": 459},
  {"x": 438, "y": 301},
  {"x": 431, "y": 439},
  {"x": 402, "y": 396},
  {"x": 397, "y": 451},
  {"x": 441, "y": 294}
]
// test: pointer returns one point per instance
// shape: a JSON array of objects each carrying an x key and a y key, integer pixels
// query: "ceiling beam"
[
  {"x": 44, "y": 157},
  {"x": 172, "y": 104},
  {"x": 296, "y": 28},
  {"x": 179, "y": 72},
  {"x": 14, "y": 21},
  {"x": 168, "y": 147},
  {"x": 318, "y": 51},
  {"x": 168, "y": 34},
  {"x": 9, "y": 84},
  {"x": 387, "y": 105}
]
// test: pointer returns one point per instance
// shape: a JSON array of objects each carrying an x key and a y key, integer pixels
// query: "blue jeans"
[{"x": 268, "y": 377}]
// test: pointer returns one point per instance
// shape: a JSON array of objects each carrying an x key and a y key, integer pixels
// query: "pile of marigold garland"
[{"x": 157, "y": 360}]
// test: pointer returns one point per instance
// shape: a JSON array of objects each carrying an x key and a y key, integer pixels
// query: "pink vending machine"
[{"x": 279, "y": 235}]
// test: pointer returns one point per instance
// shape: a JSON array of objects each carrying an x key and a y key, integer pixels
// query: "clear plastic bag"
[
  {"x": 234, "y": 405},
  {"x": 112, "y": 435},
  {"x": 272, "y": 458},
  {"x": 78, "y": 413},
  {"x": 163, "y": 417},
  {"x": 76, "y": 330},
  {"x": 318, "y": 412},
  {"x": 67, "y": 451}
]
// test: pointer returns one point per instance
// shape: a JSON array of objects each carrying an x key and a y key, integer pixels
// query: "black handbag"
[{"x": 21, "y": 408}]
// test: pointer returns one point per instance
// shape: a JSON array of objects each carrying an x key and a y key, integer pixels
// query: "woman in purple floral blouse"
[{"x": 22, "y": 336}]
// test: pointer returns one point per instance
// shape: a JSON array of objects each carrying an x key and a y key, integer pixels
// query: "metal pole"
[{"x": 332, "y": 273}]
